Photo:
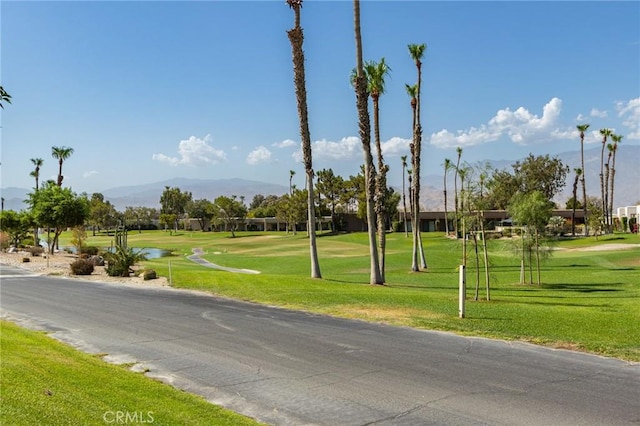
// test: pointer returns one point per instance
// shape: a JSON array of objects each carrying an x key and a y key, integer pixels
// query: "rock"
[
  {"x": 148, "y": 274},
  {"x": 97, "y": 260},
  {"x": 26, "y": 260}
]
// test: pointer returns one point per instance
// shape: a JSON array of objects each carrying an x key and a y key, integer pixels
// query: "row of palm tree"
[
  {"x": 60, "y": 153},
  {"x": 607, "y": 175}
]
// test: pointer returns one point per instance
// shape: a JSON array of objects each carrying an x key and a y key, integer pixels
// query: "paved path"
[
  {"x": 195, "y": 257},
  {"x": 287, "y": 367}
]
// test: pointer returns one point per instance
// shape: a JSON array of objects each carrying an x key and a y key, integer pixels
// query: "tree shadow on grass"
[{"x": 583, "y": 288}]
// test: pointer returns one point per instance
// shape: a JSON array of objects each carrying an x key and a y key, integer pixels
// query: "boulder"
[{"x": 148, "y": 274}]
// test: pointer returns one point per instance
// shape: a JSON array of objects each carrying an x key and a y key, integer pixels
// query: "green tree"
[
  {"x": 365, "y": 139},
  {"x": 583, "y": 128},
  {"x": 296, "y": 38},
  {"x": 596, "y": 216},
  {"x": 540, "y": 173},
  {"x": 202, "y": 210},
  {"x": 61, "y": 153},
  {"x": 59, "y": 208},
  {"x": 15, "y": 225},
  {"x": 174, "y": 202},
  {"x": 331, "y": 186},
  {"x": 262, "y": 206},
  {"x": 102, "y": 214},
  {"x": 531, "y": 211},
  {"x": 4, "y": 97},
  {"x": 229, "y": 211}
]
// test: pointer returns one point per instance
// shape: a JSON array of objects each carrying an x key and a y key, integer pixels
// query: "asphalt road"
[{"x": 293, "y": 368}]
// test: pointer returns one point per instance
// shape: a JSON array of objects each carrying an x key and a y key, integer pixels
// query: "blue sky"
[{"x": 147, "y": 91}]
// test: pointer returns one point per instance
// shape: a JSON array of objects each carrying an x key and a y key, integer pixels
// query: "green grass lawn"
[
  {"x": 589, "y": 300},
  {"x": 45, "y": 382}
]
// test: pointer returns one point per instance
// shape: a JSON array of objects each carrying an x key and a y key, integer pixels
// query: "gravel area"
[{"x": 58, "y": 265}]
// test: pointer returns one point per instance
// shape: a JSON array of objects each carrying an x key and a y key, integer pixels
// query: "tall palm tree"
[
  {"x": 291, "y": 175},
  {"x": 376, "y": 73},
  {"x": 578, "y": 172},
  {"x": 416, "y": 51},
  {"x": 38, "y": 162},
  {"x": 605, "y": 134},
  {"x": 448, "y": 165},
  {"x": 607, "y": 173},
  {"x": 61, "y": 153},
  {"x": 455, "y": 189},
  {"x": 412, "y": 91},
  {"x": 583, "y": 128},
  {"x": 616, "y": 141},
  {"x": 296, "y": 37},
  {"x": 404, "y": 201},
  {"x": 4, "y": 97},
  {"x": 365, "y": 138}
]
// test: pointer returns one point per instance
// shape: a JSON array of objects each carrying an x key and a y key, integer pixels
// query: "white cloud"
[
  {"x": 580, "y": 118},
  {"x": 259, "y": 155},
  {"x": 630, "y": 113},
  {"x": 89, "y": 174},
  {"x": 350, "y": 148},
  {"x": 521, "y": 126},
  {"x": 285, "y": 143},
  {"x": 344, "y": 149},
  {"x": 597, "y": 113},
  {"x": 194, "y": 152},
  {"x": 395, "y": 145}
]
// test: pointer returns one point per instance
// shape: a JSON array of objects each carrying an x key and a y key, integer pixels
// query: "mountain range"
[{"x": 627, "y": 189}]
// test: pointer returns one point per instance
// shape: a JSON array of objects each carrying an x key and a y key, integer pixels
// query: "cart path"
[{"x": 195, "y": 257}]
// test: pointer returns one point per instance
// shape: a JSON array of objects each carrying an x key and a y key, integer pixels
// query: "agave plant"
[{"x": 120, "y": 261}]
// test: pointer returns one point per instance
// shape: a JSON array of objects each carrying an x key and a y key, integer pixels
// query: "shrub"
[
  {"x": 35, "y": 251},
  {"x": 120, "y": 262},
  {"x": 89, "y": 250},
  {"x": 81, "y": 267}
]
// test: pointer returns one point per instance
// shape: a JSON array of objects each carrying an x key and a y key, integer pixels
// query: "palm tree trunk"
[
  {"x": 584, "y": 187},
  {"x": 573, "y": 210},
  {"x": 604, "y": 204},
  {"x": 446, "y": 216},
  {"x": 485, "y": 253},
  {"x": 404, "y": 204},
  {"x": 538, "y": 254},
  {"x": 296, "y": 37},
  {"x": 613, "y": 177},
  {"x": 380, "y": 188},
  {"x": 365, "y": 138}
]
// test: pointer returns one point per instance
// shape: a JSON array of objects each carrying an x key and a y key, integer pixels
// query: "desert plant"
[
  {"x": 120, "y": 261},
  {"x": 89, "y": 250},
  {"x": 81, "y": 267},
  {"x": 35, "y": 251}
]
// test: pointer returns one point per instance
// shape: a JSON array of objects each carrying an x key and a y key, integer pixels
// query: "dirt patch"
[{"x": 58, "y": 265}]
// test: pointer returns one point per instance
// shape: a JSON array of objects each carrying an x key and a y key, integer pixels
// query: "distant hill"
[
  {"x": 627, "y": 189},
  {"x": 149, "y": 195}
]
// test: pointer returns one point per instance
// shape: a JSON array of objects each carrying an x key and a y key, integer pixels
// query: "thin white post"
[
  {"x": 463, "y": 290},
  {"x": 170, "y": 277}
]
